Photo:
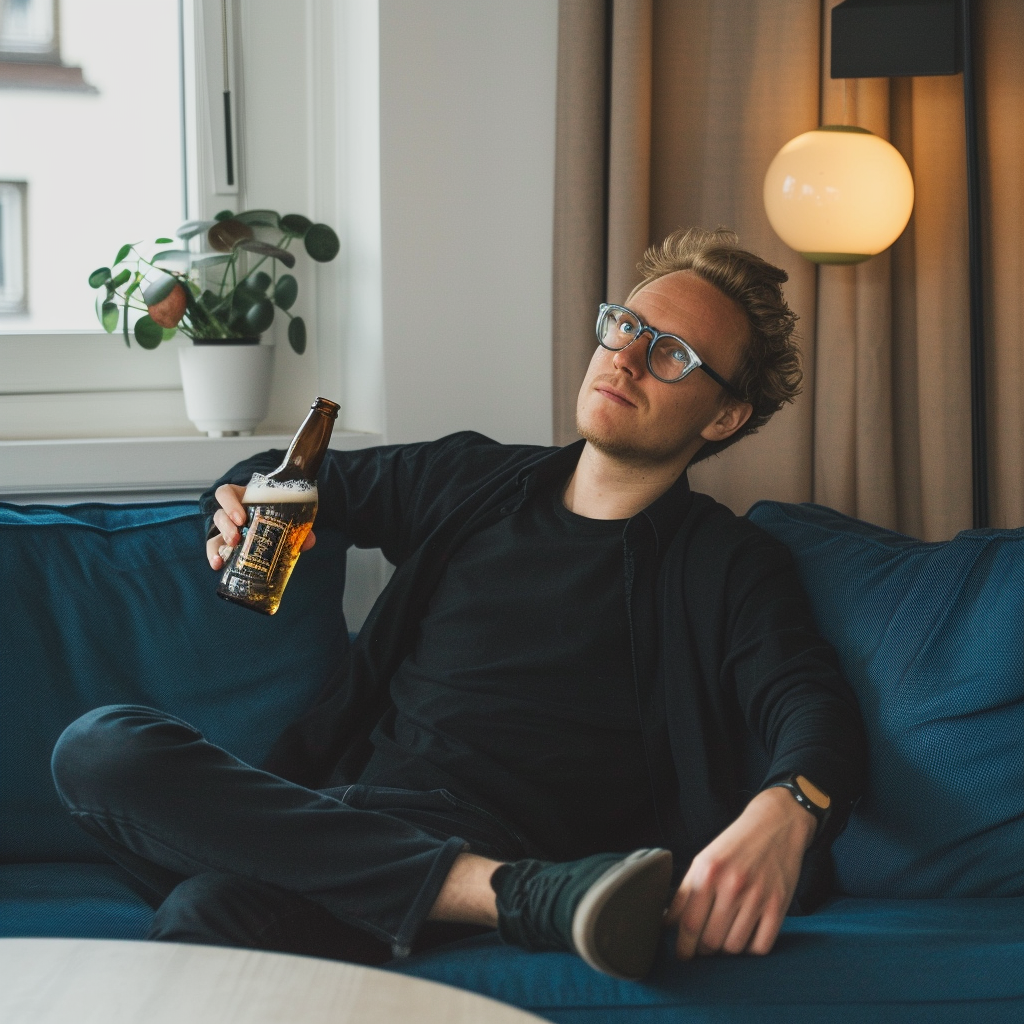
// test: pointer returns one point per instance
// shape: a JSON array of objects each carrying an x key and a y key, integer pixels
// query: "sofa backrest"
[
  {"x": 931, "y": 637},
  {"x": 105, "y": 604}
]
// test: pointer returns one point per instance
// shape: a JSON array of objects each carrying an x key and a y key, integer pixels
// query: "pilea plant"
[{"x": 200, "y": 292}]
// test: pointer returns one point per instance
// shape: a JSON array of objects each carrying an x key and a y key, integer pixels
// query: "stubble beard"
[{"x": 626, "y": 451}]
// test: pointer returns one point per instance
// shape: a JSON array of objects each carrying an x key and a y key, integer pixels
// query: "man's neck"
[{"x": 603, "y": 487}]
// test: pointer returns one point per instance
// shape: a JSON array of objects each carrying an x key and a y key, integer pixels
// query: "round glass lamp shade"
[{"x": 838, "y": 194}]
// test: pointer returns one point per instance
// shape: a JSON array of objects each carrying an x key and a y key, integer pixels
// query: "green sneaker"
[{"x": 607, "y": 908}]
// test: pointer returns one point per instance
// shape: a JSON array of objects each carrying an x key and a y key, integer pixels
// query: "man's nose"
[{"x": 632, "y": 359}]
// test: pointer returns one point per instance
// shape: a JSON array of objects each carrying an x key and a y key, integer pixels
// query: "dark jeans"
[{"x": 242, "y": 857}]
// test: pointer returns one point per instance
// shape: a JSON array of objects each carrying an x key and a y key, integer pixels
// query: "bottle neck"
[{"x": 308, "y": 447}]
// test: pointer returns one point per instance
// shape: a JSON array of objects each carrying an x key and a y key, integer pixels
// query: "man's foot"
[{"x": 607, "y": 908}]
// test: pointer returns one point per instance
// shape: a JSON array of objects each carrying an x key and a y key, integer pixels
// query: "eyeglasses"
[{"x": 668, "y": 358}]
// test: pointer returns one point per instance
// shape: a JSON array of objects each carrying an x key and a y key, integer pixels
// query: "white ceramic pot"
[{"x": 227, "y": 387}]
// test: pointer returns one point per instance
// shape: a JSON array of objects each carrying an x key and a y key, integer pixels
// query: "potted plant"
[{"x": 210, "y": 295}]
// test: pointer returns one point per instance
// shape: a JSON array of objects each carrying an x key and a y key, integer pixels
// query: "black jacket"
[{"x": 735, "y": 687}]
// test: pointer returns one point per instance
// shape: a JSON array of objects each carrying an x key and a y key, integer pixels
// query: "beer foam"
[{"x": 262, "y": 491}]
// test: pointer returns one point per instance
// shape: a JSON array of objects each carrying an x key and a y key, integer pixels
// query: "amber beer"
[{"x": 281, "y": 507}]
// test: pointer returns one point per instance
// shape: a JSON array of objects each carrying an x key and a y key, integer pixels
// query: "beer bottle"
[{"x": 281, "y": 507}]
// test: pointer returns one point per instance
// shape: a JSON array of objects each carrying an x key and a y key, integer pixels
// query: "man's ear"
[{"x": 730, "y": 418}]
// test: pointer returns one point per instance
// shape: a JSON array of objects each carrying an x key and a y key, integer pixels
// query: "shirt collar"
[{"x": 665, "y": 514}]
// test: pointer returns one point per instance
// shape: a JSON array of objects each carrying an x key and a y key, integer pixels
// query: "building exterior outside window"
[{"x": 102, "y": 164}]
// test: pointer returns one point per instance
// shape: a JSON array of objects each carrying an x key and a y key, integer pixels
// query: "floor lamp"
[{"x": 890, "y": 39}]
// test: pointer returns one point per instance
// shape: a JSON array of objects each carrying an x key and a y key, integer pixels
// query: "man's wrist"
[{"x": 801, "y": 820}]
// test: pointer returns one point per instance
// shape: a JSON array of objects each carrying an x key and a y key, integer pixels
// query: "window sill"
[{"x": 147, "y": 468}]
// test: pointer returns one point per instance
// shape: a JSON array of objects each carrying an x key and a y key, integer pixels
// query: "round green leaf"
[
  {"x": 120, "y": 279},
  {"x": 165, "y": 241},
  {"x": 109, "y": 317},
  {"x": 99, "y": 277},
  {"x": 226, "y": 234},
  {"x": 210, "y": 261},
  {"x": 122, "y": 252},
  {"x": 297, "y": 335},
  {"x": 208, "y": 299},
  {"x": 257, "y": 282},
  {"x": 265, "y": 218},
  {"x": 263, "y": 249},
  {"x": 223, "y": 215},
  {"x": 322, "y": 243},
  {"x": 296, "y": 224},
  {"x": 286, "y": 291},
  {"x": 148, "y": 333},
  {"x": 158, "y": 289},
  {"x": 169, "y": 332},
  {"x": 193, "y": 227},
  {"x": 108, "y": 320},
  {"x": 259, "y": 317},
  {"x": 182, "y": 257}
]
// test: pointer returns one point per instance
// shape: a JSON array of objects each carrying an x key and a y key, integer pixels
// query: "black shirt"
[
  {"x": 519, "y": 693},
  {"x": 737, "y": 687}
]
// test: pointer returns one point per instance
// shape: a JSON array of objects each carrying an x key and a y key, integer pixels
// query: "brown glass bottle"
[{"x": 281, "y": 507}]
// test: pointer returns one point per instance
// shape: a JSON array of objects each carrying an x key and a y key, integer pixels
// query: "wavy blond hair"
[{"x": 769, "y": 374}]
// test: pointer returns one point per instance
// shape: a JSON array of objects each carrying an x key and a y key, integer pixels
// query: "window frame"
[{"x": 14, "y": 246}]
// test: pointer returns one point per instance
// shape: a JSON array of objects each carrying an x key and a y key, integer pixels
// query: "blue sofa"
[{"x": 105, "y": 603}]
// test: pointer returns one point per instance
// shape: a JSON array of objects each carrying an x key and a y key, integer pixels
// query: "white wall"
[{"x": 467, "y": 136}]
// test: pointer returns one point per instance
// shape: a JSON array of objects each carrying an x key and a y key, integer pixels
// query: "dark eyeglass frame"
[{"x": 657, "y": 335}]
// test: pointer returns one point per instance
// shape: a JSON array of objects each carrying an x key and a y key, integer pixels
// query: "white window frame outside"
[{"x": 13, "y": 205}]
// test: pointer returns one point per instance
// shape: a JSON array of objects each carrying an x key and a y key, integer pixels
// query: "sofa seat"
[
  {"x": 865, "y": 960},
  {"x": 64, "y": 900}
]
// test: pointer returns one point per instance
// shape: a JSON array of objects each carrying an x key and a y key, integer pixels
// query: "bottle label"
[{"x": 262, "y": 548}]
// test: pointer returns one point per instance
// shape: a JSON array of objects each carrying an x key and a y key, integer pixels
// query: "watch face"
[{"x": 811, "y": 791}]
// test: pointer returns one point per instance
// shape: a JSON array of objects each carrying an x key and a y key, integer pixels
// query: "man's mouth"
[{"x": 615, "y": 395}]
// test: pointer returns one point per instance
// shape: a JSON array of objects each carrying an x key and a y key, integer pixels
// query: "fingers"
[
  {"x": 228, "y": 519},
  {"x": 229, "y": 497},
  {"x": 691, "y": 908},
  {"x": 309, "y": 541},
  {"x": 767, "y": 931}
]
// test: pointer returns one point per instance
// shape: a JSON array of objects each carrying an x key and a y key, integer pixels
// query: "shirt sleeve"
[
  {"x": 390, "y": 496},
  {"x": 789, "y": 683}
]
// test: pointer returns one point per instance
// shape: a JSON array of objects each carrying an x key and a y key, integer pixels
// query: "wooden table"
[{"x": 96, "y": 981}]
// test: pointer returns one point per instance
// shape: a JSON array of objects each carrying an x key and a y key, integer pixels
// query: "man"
[{"x": 586, "y": 695}]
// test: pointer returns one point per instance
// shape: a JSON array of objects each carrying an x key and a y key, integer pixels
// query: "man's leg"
[{"x": 168, "y": 805}]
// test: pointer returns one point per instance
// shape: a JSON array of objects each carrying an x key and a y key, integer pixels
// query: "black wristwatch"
[{"x": 808, "y": 796}]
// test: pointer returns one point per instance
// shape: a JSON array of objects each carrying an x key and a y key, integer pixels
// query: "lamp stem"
[{"x": 979, "y": 448}]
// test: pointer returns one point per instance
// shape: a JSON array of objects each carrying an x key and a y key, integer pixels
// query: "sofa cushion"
[
  {"x": 107, "y": 604},
  {"x": 94, "y": 901},
  {"x": 884, "y": 961},
  {"x": 931, "y": 637}
]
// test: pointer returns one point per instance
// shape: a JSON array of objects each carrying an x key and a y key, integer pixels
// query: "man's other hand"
[
  {"x": 736, "y": 893},
  {"x": 229, "y": 519}
]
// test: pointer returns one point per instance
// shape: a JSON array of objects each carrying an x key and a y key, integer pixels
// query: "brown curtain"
[{"x": 882, "y": 430}]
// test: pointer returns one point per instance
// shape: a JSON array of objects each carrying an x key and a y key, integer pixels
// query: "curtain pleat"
[
  {"x": 882, "y": 431},
  {"x": 629, "y": 145},
  {"x": 578, "y": 279}
]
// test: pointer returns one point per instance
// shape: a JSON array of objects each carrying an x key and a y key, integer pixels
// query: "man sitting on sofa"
[{"x": 580, "y": 675}]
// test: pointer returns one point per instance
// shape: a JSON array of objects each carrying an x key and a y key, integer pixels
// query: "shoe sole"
[{"x": 618, "y": 923}]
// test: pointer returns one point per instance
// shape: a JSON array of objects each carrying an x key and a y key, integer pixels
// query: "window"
[
  {"x": 28, "y": 28},
  {"x": 102, "y": 167},
  {"x": 30, "y": 48},
  {"x": 12, "y": 247}
]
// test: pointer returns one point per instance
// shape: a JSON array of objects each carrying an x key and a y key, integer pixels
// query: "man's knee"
[{"x": 110, "y": 747}]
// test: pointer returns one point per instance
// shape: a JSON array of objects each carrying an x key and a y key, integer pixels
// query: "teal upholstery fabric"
[
  {"x": 858, "y": 960},
  {"x": 107, "y": 604},
  {"x": 931, "y": 637},
  {"x": 71, "y": 900}
]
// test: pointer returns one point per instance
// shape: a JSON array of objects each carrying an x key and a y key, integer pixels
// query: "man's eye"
[
  {"x": 625, "y": 328},
  {"x": 680, "y": 355}
]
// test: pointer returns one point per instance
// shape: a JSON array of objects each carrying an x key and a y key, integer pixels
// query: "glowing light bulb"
[{"x": 838, "y": 194}]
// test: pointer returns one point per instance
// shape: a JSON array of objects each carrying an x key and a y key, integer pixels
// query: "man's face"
[{"x": 629, "y": 414}]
